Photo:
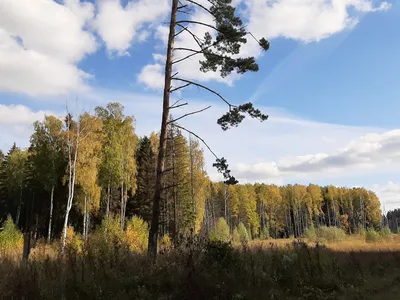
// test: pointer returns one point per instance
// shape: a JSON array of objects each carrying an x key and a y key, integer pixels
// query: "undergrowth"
[{"x": 196, "y": 269}]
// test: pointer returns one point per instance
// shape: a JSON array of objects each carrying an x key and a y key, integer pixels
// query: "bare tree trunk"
[
  {"x": 153, "y": 234},
  {"x": 125, "y": 202},
  {"x": 174, "y": 194},
  {"x": 19, "y": 207},
  {"x": 225, "y": 201},
  {"x": 87, "y": 224},
  {"x": 71, "y": 182},
  {"x": 122, "y": 205},
  {"x": 108, "y": 199},
  {"x": 84, "y": 217},
  {"x": 329, "y": 213},
  {"x": 192, "y": 182},
  {"x": 51, "y": 214},
  {"x": 36, "y": 227}
]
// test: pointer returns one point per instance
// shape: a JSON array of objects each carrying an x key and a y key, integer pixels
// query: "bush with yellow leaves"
[
  {"x": 11, "y": 239},
  {"x": 137, "y": 234},
  {"x": 73, "y": 241},
  {"x": 165, "y": 243}
]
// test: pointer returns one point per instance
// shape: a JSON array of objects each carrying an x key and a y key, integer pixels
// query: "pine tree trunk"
[
  {"x": 225, "y": 201},
  {"x": 51, "y": 214},
  {"x": 153, "y": 234},
  {"x": 192, "y": 183}
]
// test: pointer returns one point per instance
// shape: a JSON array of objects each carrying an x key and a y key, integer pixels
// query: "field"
[{"x": 199, "y": 269}]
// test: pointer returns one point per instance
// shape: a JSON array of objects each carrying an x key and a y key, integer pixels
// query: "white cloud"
[
  {"x": 152, "y": 76},
  {"x": 284, "y": 149},
  {"x": 307, "y": 20},
  {"x": 119, "y": 25},
  {"x": 389, "y": 194},
  {"x": 16, "y": 124},
  {"x": 20, "y": 114},
  {"x": 40, "y": 44}
]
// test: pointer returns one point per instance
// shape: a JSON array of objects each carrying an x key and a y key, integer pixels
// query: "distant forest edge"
[{"x": 78, "y": 171}]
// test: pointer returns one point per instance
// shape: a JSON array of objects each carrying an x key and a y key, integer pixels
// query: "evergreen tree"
[
  {"x": 146, "y": 166},
  {"x": 219, "y": 51}
]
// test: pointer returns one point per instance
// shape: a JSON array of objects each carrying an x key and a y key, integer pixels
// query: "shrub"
[
  {"x": 165, "y": 243},
  {"x": 311, "y": 234},
  {"x": 371, "y": 236},
  {"x": 137, "y": 234},
  {"x": 360, "y": 231},
  {"x": 108, "y": 236},
  {"x": 330, "y": 234},
  {"x": 264, "y": 233},
  {"x": 244, "y": 236},
  {"x": 386, "y": 233},
  {"x": 220, "y": 232},
  {"x": 10, "y": 237},
  {"x": 236, "y": 237},
  {"x": 73, "y": 241}
]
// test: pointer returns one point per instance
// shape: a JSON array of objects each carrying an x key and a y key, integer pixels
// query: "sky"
[{"x": 329, "y": 83}]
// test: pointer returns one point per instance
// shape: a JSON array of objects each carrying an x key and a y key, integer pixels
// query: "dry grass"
[
  {"x": 351, "y": 243},
  {"x": 270, "y": 269}
]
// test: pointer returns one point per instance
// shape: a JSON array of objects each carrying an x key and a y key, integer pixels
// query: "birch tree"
[
  {"x": 72, "y": 136},
  {"x": 47, "y": 146},
  {"x": 89, "y": 159}
]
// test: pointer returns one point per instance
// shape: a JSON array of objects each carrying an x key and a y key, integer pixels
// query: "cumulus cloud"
[
  {"x": 40, "y": 44},
  {"x": 309, "y": 20},
  {"x": 389, "y": 194},
  {"x": 152, "y": 76},
  {"x": 120, "y": 25},
  {"x": 371, "y": 153},
  {"x": 306, "y": 21},
  {"x": 20, "y": 114},
  {"x": 16, "y": 124}
]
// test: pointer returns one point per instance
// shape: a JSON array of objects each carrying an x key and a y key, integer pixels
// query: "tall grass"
[{"x": 200, "y": 269}]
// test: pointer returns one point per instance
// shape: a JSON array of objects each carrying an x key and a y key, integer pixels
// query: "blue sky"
[{"x": 330, "y": 82}]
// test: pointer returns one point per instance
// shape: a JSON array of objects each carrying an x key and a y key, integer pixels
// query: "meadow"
[{"x": 113, "y": 264}]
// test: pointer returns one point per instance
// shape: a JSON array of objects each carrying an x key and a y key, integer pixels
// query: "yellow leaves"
[
  {"x": 136, "y": 234},
  {"x": 73, "y": 241},
  {"x": 10, "y": 237}
]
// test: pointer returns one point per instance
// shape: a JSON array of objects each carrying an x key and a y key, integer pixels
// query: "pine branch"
[
  {"x": 206, "y": 88},
  {"x": 201, "y": 6},
  {"x": 198, "y": 23},
  {"x": 195, "y": 37},
  {"x": 180, "y": 105},
  {"x": 189, "y": 114},
  {"x": 191, "y": 132},
  {"x": 200, "y": 52},
  {"x": 180, "y": 87}
]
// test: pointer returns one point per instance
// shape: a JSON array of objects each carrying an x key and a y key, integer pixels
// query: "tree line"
[{"x": 78, "y": 171}]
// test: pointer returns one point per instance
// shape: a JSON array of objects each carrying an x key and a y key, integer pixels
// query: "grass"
[{"x": 198, "y": 269}]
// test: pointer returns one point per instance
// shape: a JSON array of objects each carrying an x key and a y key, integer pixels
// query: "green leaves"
[
  {"x": 222, "y": 168},
  {"x": 219, "y": 51},
  {"x": 237, "y": 114},
  {"x": 264, "y": 44}
]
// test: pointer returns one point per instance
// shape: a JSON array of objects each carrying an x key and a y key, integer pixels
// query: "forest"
[
  {"x": 91, "y": 210},
  {"x": 78, "y": 172}
]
